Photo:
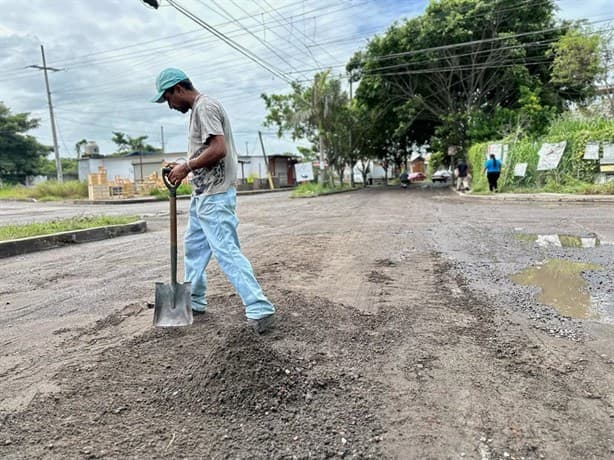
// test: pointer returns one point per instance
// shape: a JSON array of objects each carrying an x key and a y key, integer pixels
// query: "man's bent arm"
[{"x": 206, "y": 156}]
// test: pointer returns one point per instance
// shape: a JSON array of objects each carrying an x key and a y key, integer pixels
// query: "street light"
[{"x": 152, "y": 3}]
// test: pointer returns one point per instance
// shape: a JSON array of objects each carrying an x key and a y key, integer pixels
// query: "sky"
[{"x": 109, "y": 52}]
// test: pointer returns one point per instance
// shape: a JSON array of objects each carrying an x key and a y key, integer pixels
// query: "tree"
[
  {"x": 121, "y": 141},
  {"x": 20, "y": 154},
  {"x": 79, "y": 147},
  {"x": 307, "y": 112},
  {"x": 576, "y": 65},
  {"x": 127, "y": 143},
  {"x": 436, "y": 74}
]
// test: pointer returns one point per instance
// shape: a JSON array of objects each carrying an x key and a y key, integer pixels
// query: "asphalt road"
[{"x": 401, "y": 332}]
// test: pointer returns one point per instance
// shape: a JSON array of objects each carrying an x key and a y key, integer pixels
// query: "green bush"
[
  {"x": 573, "y": 175},
  {"x": 183, "y": 189}
]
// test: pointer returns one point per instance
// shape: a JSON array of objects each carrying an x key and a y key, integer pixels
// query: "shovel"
[{"x": 173, "y": 306}]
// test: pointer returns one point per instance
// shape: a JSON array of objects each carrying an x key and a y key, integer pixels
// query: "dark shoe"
[
  {"x": 261, "y": 325},
  {"x": 198, "y": 312}
]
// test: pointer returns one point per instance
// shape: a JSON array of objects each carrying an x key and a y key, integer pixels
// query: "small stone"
[
  {"x": 344, "y": 441},
  {"x": 287, "y": 371},
  {"x": 506, "y": 454},
  {"x": 7, "y": 442}
]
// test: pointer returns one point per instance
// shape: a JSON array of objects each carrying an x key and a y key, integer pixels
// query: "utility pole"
[
  {"x": 162, "y": 137},
  {"x": 266, "y": 162},
  {"x": 44, "y": 68}
]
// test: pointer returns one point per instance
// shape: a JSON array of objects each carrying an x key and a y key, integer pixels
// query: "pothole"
[
  {"x": 562, "y": 286},
  {"x": 560, "y": 240}
]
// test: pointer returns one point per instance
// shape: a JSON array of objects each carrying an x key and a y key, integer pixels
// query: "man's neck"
[{"x": 194, "y": 95}]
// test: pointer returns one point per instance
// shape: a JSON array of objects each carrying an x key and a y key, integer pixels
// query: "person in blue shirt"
[{"x": 492, "y": 168}]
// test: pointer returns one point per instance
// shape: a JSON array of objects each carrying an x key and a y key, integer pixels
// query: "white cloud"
[{"x": 111, "y": 51}]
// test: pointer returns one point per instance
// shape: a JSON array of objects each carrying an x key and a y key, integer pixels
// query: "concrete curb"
[{"x": 39, "y": 243}]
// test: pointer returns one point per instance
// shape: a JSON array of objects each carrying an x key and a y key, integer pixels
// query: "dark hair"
[{"x": 185, "y": 84}]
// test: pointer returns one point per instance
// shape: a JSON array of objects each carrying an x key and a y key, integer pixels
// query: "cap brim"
[{"x": 159, "y": 97}]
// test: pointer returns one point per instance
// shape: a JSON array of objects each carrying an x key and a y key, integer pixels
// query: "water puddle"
[
  {"x": 562, "y": 286},
  {"x": 560, "y": 240}
]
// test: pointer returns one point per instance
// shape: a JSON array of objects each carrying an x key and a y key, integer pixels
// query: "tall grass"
[
  {"x": 573, "y": 175},
  {"x": 46, "y": 191}
]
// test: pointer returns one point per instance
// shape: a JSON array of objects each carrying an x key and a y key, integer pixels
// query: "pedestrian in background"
[
  {"x": 212, "y": 222},
  {"x": 462, "y": 176},
  {"x": 492, "y": 168}
]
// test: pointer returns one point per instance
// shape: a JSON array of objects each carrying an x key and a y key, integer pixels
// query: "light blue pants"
[{"x": 212, "y": 230}]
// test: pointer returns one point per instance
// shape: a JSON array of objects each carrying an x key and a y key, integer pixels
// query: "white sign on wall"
[
  {"x": 520, "y": 169},
  {"x": 304, "y": 172},
  {"x": 608, "y": 153},
  {"x": 550, "y": 156},
  {"x": 496, "y": 150},
  {"x": 591, "y": 152}
]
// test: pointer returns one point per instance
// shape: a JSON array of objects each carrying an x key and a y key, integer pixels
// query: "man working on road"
[{"x": 212, "y": 223}]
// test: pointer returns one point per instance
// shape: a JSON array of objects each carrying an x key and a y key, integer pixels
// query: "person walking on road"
[
  {"x": 212, "y": 222},
  {"x": 462, "y": 176},
  {"x": 492, "y": 168}
]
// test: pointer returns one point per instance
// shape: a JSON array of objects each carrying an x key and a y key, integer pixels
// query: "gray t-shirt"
[{"x": 208, "y": 118}]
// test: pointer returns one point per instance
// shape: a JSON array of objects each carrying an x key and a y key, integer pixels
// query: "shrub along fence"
[{"x": 573, "y": 173}]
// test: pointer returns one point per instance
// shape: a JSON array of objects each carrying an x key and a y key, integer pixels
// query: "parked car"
[{"x": 441, "y": 175}]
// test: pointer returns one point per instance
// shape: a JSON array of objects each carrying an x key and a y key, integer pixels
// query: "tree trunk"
[{"x": 321, "y": 175}]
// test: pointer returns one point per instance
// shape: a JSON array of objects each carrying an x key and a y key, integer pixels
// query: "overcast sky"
[{"x": 110, "y": 52}]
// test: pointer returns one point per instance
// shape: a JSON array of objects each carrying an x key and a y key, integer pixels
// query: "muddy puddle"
[
  {"x": 562, "y": 287},
  {"x": 560, "y": 240}
]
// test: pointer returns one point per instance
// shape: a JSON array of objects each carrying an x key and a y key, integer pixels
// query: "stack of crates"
[
  {"x": 153, "y": 181},
  {"x": 97, "y": 185},
  {"x": 122, "y": 187}
]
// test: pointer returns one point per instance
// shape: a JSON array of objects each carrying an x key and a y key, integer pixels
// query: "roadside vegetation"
[
  {"x": 573, "y": 175},
  {"x": 310, "y": 189},
  {"x": 162, "y": 193},
  {"x": 462, "y": 74},
  {"x": 12, "y": 232},
  {"x": 45, "y": 191}
]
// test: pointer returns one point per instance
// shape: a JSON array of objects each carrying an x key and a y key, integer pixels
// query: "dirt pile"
[
  {"x": 242, "y": 373},
  {"x": 214, "y": 390}
]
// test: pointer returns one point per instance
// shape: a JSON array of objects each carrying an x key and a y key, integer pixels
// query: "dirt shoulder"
[{"x": 391, "y": 342}]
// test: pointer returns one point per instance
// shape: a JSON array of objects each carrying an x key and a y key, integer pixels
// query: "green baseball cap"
[{"x": 167, "y": 79}]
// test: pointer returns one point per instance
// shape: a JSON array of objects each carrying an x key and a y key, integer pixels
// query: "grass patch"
[
  {"x": 13, "y": 232},
  {"x": 46, "y": 191},
  {"x": 183, "y": 189},
  {"x": 312, "y": 189}
]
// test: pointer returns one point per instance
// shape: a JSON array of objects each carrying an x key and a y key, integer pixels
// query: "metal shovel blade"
[{"x": 173, "y": 306}]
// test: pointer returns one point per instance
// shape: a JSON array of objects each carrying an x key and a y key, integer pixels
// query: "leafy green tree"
[
  {"x": 127, "y": 143},
  {"x": 79, "y": 147},
  {"x": 121, "y": 140},
  {"x": 462, "y": 60},
  {"x": 307, "y": 112},
  {"x": 20, "y": 154},
  {"x": 576, "y": 64}
]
